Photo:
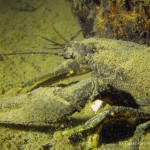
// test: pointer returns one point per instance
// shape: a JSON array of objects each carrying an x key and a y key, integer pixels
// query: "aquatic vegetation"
[
  {"x": 127, "y": 20},
  {"x": 120, "y": 77}
]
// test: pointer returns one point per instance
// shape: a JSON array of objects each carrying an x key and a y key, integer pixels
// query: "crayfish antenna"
[
  {"x": 30, "y": 53},
  {"x": 60, "y": 35},
  {"x": 60, "y": 45},
  {"x": 73, "y": 37}
]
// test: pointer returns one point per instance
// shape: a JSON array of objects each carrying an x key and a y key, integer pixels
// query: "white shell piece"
[{"x": 96, "y": 105}]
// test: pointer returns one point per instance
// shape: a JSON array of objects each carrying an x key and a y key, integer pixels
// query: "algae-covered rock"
[{"x": 127, "y": 19}]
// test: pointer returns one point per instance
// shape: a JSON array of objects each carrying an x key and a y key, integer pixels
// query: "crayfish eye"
[{"x": 69, "y": 54}]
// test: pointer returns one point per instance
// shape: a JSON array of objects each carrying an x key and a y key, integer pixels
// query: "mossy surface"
[{"x": 127, "y": 20}]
